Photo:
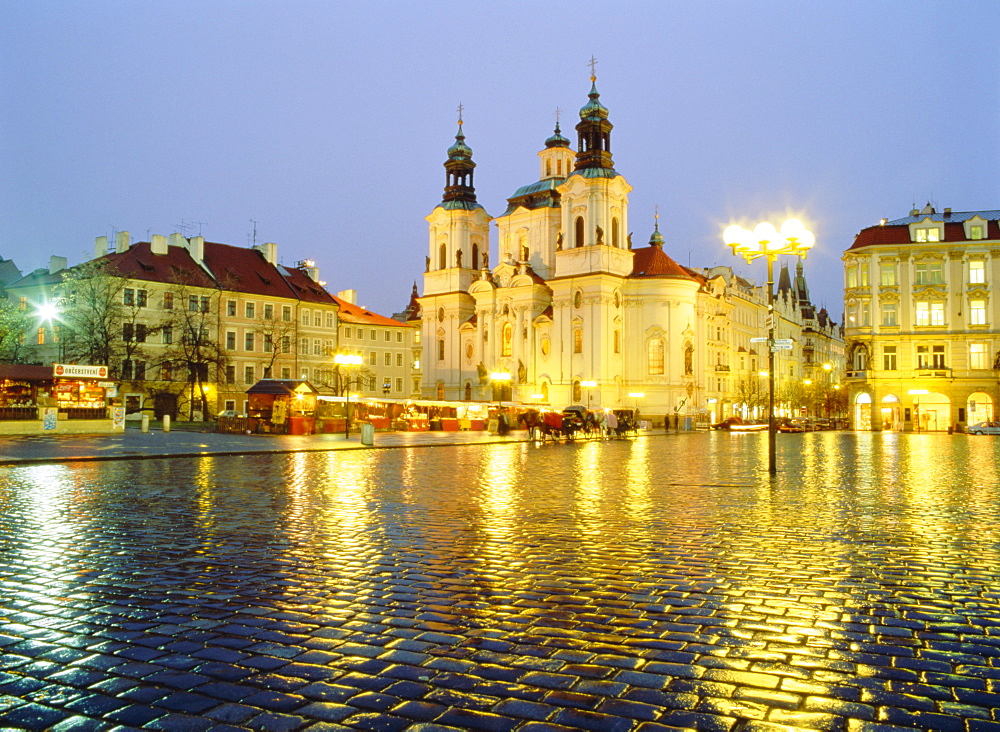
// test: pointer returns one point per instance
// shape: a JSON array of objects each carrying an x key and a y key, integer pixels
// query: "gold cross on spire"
[
  {"x": 593, "y": 72},
  {"x": 558, "y": 111},
  {"x": 460, "y": 108}
]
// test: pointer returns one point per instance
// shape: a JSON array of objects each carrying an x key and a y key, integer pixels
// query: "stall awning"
[
  {"x": 21, "y": 372},
  {"x": 282, "y": 387}
]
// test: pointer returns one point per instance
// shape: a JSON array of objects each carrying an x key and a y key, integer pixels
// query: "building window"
[
  {"x": 976, "y": 232},
  {"x": 128, "y": 296},
  {"x": 399, "y": 336},
  {"x": 577, "y": 340},
  {"x": 860, "y": 359},
  {"x": 168, "y": 334},
  {"x": 317, "y": 347},
  {"x": 866, "y": 315},
  {"x": 230, "y": 374},
  {"x": 977, "y": 356},
  {"x": 231, "y": 340},
  {"x": 929, "y": 273},
  {"x": 141, "y": 298},
  {"x": 655, "y": 356},
  {"x": 373, "y": 359},
  {"x": 887, "y": 274},
  {"x": 863, "y": 274},
  {"x": 250, "y": 311},
  {"x": 286, "y": 372},
  {"x": 347, "y": 333},
  {"x": 889, "y": 314},
  {"x": 933, "y": 234},
  {"x": 614, "y": 233},
  {"x": 127, "y": 370},
  {"x": 374, "y": 335},
  {"x": 168, "y": 301},
  {"x": 231, "y": 308},
  {"x": 286, "y": 344},
  {"x": 267, "y": 373},
  {"x": 248, "y": 341},
  {"x": 127, "y": 333},
  {"x": 889, "y": 358},
  {"x": 140, "y": 371},
  {"x": 578, "y": 238},
  {"x": 506, "y": 339},
  {"x": 140, "y": 332},
  {"x": 304, "y": 347},
  {"x": 41, "y": 336},
  {"x": 192, "y": 303},
  {"x": 399, "y": 385},
  {"x": 852, "y": 276},
  {"x": 268, "y": 344},
  {"x": 268, "y": 311},
  {"x": 977, "y": 272},
  {"x": 399, "y": 359},
  {"x": 286, "y": 313},
  {"x": 977, "y": 312},
  {"x": 440, "y": 349},
  {"x": 330, "y": 321},
  {"x": 930, "y": 313},
  {"x": 937, "y": 357},
  {"x": 387, "y": 360},
  {"x": 165, "y": 371},
  {"x": 248, "y": 375}
]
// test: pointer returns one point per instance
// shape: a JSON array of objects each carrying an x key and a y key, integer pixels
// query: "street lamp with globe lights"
[{"x": 768, "y": 242}]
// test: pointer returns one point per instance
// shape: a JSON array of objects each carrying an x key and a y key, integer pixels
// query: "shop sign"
[{"x": 71, "y": 370}]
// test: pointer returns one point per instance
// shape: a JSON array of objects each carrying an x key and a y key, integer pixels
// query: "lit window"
[
  {"x": 506, "y": 339},
  {"x": 852, "y": 276},
  {"x": 977, "y": 312},
  {"x": 933, "y": 234},
  {"x": 929, "y": 273},
  {"x": 977, "y": 272},
  {"x": 975, "y": 232},
  {"x": 577, "y": 340},
  {"x": 977, "y": 356},
  {"x": 866, "y": 318},
  {"x": 887, "y": 274},
  {"x": 41, "y": 336},
  {"x": 655, "y": 356},
  {"x": 889, "y": 314},
  {"x": 863, "y": 271}
]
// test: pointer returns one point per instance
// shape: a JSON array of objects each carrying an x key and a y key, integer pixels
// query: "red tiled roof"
[
  {"x": 890, "y": 234},
  {"x": 175, "y": 267},
  {"x": 245, "y": 270},
  {"x": 654, "y": 262},
  {"x": 305, "y": 287},
  {"x": 353, "y": 314}
]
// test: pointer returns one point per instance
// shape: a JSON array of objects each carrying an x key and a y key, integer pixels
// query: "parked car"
[{"x": 984, "y": 428}]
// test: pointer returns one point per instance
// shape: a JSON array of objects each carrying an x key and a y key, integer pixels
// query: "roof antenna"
[{"x": 253, "y": 242}]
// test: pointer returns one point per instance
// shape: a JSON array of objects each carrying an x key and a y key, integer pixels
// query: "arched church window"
[
  {"x": 548, "y": 167},
  {"x": 443, "y": 256},
  {"x": 655, "y": 356},
  {"x": 559, "y": 167},
  {"x": 618, "y": 341},
  {"x": 614, "y": 233},
  {"x": 475, "y": 255},
  {"x": 506, "y": 339},
  {"x": 577, "y": 392},
  {"x": 578, "y": 340},
  {"x": 579, "y": 232}
]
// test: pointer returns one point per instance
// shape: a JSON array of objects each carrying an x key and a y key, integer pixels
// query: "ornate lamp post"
[
  {"x": 766, "y": 241},
  {"x": 347, "y": 361}
]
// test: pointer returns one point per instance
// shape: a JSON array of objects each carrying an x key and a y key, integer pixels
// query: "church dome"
[
  {"x": 593, "y": 111},
  {"x": 460, "y": 151},
  {"x": 557, "y": 140}
]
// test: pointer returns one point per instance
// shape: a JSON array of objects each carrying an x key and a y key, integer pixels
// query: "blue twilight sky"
[{"x": 327, "y": 122}]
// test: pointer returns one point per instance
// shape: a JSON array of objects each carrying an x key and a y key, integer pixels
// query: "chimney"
[
  {"x": 311, "y": 270},
  {"x": 177, "y": 240},
  {"x": 947, "y": 213},
  {"x": 100, "y": 247},
  {"x": 348, "y": 296},
  {"x": 56, "y": 264},
  {"x": 158, "y": 244},
  {"x": 196, "y": 245},
  {"x": 122, "y": 241},
  {"x": 270, "y": 252}
]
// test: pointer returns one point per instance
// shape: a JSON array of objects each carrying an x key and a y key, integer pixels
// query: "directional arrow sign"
[
  {"x": 759, "y": 340},
  {"x": 783, "y": 341},
  {"x": 781, "y": 347}
]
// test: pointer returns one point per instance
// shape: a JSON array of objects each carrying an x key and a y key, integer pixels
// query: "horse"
[{"x": 541, "y": 425}]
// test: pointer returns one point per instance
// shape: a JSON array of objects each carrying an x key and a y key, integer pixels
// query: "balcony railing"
[
  {"x": 721, "y": 367},
  {"x": 931, "y": 372}
]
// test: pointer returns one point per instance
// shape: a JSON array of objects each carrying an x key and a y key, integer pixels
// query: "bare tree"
[
  {"x": 195, "y": 345},
  {"x": 277, "y": 339},
  {"x": 750, "y": 390},
  {"x": 102, "y": 316}
]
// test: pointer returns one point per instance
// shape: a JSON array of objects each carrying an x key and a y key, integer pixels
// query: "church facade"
[{"x": 571, "y": 312}]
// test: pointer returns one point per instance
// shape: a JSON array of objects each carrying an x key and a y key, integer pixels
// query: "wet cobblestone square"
[{"x": 661, "y": 582}]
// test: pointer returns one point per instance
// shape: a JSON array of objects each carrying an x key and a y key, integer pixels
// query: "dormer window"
[
  {"x": 975, "y": 232},
  {"x": 928, "y": 235},
  {"x": 975, "y": 228}
]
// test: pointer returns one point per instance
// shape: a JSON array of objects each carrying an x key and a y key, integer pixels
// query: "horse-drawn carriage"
[{"x": 578, "y": 420}]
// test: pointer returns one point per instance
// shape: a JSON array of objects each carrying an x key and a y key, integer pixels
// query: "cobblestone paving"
[{"x": 627, "y": 585}]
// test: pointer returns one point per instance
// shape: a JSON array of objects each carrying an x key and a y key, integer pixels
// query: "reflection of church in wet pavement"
[{"x": 571, "y": 310}]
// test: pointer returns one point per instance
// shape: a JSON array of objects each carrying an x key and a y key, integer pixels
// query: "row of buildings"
[{"x": 571, "y": 311}]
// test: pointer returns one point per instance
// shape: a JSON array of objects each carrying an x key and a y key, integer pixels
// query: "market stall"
[{"x": 282, "y": 406}]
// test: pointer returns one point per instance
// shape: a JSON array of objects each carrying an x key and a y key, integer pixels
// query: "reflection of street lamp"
[
  {"x": 588, "y": 385},
  {"x": 347, "y": 361},
  {"x": 499, "y": 379},
  {"x": 766, "y": 241}
]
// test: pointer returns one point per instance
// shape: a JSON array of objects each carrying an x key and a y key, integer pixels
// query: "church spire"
[
  {"x": 594, "y": 133},
  {"x": 459, "y": 191}
]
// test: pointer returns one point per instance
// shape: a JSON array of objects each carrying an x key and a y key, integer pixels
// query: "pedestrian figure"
[{"x": 612, "y": 421}]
